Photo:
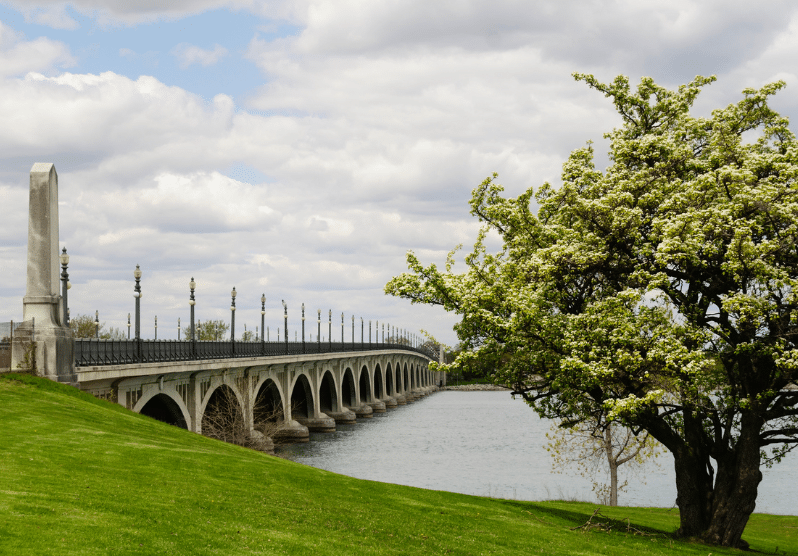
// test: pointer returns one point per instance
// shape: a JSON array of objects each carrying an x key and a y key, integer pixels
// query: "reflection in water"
[{"x": 488, "y": 444}]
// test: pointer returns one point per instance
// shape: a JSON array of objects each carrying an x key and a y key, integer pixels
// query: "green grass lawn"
[{"x": 83, "y": 476}]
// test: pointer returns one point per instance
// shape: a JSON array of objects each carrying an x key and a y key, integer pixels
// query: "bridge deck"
[{"x": 90, "y": 373}]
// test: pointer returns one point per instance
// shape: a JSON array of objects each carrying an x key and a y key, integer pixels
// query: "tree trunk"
[
  {"x": 693, "y": 479},
  {"x": 612, "y": 460},
  {"x": 734, "y": 497}
]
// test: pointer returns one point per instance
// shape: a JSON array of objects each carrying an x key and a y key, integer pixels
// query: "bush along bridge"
[{"x": 304, "y": 386}]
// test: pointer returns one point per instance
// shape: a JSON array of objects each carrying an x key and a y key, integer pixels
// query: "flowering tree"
[
  {"x": 597, "y": 447},
  {"x": 661, "y": 291}
]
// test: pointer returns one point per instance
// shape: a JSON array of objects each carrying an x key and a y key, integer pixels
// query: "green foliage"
[
  {"x": 85, "y": 326},
  {"x": 28, "y": 363},
  {"x": 208, "y": 330},
  {"x": 67, "y": 457},
  {"x": 660, "y": 292}
]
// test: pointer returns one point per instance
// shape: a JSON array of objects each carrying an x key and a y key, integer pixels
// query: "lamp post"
[
  {"x": 156, "y": 327},
  {"x": 262, "y": 322},
  {"x": 329, "y": 332},
  {"x": 178, "y": 329},
  {"x": 353, "y": 331},
  {"x": 137, "y": 294},
  {"x": 97, "y": 324},
  {"x": 128, "y": 326},
  {"x": 233, "y": 320},
  {"x": 192, "y": 302},
  {"x": 342, "y": 330},
  {"x": 318, "y": 335},
  {"x": 303, "y": 328},
  {"x": 285, "y": 320},
  {"x": 362, "y": 330},
  {"x": 369, "y": 333},
  {"x": 65, "y": 284},
  {"x": 383, "y": 333}
]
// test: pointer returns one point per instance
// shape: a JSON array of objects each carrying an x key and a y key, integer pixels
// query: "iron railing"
[{"x": 94, "y": 352}]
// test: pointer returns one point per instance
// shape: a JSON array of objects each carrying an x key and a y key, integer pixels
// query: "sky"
[{"x": 300, "y": 148}]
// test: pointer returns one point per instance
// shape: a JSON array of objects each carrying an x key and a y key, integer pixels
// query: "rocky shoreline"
[{"x": 477, "y": 388}]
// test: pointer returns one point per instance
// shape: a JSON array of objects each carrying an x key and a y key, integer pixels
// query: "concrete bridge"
[
  {"x": 306, "y": 387},
  {"x": 310, "y": 392}
]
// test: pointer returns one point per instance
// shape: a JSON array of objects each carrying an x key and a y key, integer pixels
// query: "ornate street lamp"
[
  {"x": 97, "y": 324},
  {"x": 262, "y": 315},
  {"x": 362, "y": 331},
  {"x": 137, "y": 295},
  {"x": 65, "y": 284},
  {"x": 353, "y": 331},
  {"x": 192, "y": 302},
  {"x": 329, "y": 332},
  {"x": 342, "y": 330},
  {"x": 156, "y": 327},
  {"x": 233, "y": 320},
  {"x": 128, "y": 326},
  {"x": 262, "y": 323},
  {"x": 178, "y": 329},
  {"x": 303, "y": 328},
  {"x": 285, "y": 319},
  {"x": 369, "y": 333},
  {"x": 318, "y": 335}
]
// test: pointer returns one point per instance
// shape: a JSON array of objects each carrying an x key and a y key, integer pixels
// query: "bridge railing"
[{"x": 95, "y": 352}]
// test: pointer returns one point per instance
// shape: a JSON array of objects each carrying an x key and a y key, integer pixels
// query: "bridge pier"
[
  {"x": 364, "y": 411},
  {"x": 377, "y": 406},
  {"x": 344, "y": 417},
  {"x": 320, "y": 423},
  {"x": 292, "y": 431}
]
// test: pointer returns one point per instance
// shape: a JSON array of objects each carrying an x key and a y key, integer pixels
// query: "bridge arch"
[
  {"x": 365, "y": 385},
  {"x": 328, "y": 394},
  {"x": 301, "y": 398},
  {"x": 408, "y": 382},
  {"x": 223, "y": 413},
  {"x": 399, "y": 383},
  {"x": 348, "y": 390},
  {"x": 269, "y": 406},
  {"x": 390, "y": 387},
  {"x": 379, "y": 391},
  {"x": 163, "y": 407}
]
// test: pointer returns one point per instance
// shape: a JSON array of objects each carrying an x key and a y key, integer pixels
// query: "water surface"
[{"x": 488, "y": 444}]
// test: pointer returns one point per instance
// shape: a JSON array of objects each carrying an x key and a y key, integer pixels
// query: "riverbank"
[
  {"x": 84, "y": 476},
  {"x": 477, "y": 388}
]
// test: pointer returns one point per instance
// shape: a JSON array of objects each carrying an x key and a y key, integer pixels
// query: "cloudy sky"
[{"x": 299, "y": 148}]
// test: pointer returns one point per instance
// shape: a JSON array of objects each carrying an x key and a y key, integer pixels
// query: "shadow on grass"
[{"x": 575, "y": 519}]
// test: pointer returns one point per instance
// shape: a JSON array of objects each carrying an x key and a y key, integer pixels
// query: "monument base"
[{"x": 46, "y": 352}]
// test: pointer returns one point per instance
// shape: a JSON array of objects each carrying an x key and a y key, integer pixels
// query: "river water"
[{"x": 488, "y": 444}]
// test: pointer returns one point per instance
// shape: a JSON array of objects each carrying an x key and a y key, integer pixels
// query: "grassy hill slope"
[{"x": 83, "y": 476}]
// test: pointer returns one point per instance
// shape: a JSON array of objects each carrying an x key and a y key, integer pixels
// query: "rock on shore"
[{"x": 477, "y": 388}]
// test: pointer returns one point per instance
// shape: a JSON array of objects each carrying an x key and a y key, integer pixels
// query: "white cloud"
[
  {"x": 54, "y": 16},
  {"x": 373, "y": 125},
  {"x": 189, "y": 54},
  {"x": 18, "y": 56},
  {"x": 132, "y": 12}
]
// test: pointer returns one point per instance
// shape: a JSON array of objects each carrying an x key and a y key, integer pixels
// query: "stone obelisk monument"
[{"x": 44, "y": 343}]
